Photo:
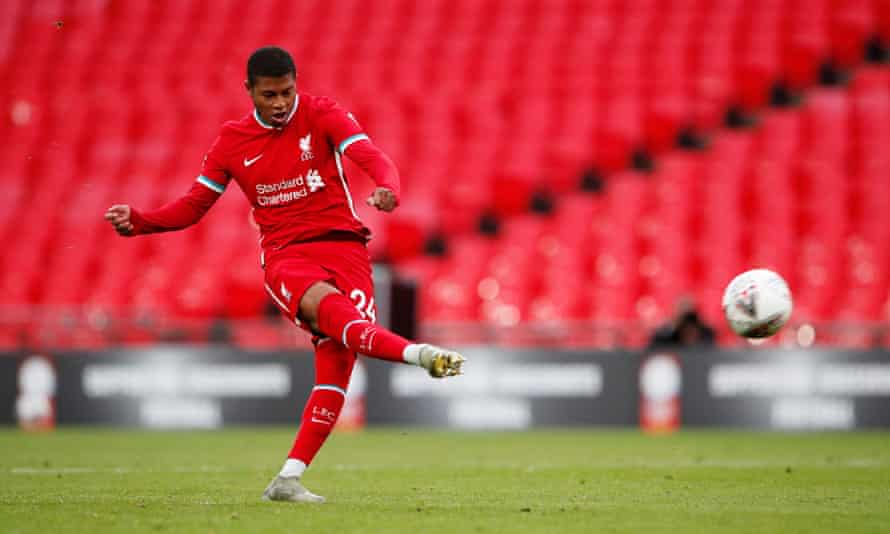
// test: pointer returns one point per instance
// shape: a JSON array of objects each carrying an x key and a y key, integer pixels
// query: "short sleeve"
[
  {"x": 340, "y": 126},
  {"x": 214, "y": 174}
]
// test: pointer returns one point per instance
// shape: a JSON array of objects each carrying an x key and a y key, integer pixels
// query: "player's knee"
[{"x": 312, "y": 299}]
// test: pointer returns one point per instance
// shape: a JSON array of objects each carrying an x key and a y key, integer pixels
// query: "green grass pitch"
[{"x": 422, "y": 481}]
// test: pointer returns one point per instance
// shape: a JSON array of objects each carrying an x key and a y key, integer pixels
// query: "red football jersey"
[{"x": 292, "y": 176}]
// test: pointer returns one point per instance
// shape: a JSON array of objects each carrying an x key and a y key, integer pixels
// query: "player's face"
[{"x": 273, "y": 97}]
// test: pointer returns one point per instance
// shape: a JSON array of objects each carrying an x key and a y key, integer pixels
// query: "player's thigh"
[
  {"x": 351, "y": 269},
  {"x": 287, "y": 281}
]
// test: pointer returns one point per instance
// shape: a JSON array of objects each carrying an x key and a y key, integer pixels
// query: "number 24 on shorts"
[{"x": 364, "y": 305}]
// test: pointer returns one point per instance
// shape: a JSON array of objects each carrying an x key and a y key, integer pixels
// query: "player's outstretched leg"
[
  {"x": 337, "y": 317},
  {"x": 333, "y": 367}
]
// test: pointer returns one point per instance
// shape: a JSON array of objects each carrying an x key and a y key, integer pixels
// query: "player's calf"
[{"x": 319, "y": 417}]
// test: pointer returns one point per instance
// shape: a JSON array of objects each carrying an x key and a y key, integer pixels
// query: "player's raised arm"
[
  {"x": 382, "y": 170},
  {"x": 182, "y": 212},
  {"x": 349, "y": 139}
]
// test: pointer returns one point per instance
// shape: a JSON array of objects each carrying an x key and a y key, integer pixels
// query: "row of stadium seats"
[{"x": 483, "y": 105}]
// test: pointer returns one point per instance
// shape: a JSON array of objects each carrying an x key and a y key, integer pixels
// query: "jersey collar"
[{"x": 293, "y": 111}]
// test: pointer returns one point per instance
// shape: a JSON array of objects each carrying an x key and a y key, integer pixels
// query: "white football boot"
[
  {"x": 440, "y": 362},
  {"x": 289, "y": 489}
]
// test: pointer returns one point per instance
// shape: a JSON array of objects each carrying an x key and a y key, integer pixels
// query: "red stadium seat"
[{"x": 851, "y": 22}]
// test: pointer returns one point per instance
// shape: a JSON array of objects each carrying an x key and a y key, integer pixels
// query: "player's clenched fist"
[
  {"x": 119, "y": 217},
  {"x": 383, "y": 199}
]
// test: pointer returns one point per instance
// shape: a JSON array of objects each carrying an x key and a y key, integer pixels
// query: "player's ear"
[{"x": 247, "y": 85}]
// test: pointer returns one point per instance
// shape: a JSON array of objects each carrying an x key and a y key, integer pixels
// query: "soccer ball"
[{"x": 757, "y": 303}]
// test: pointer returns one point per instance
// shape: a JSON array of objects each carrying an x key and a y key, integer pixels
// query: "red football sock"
[
  {"x": 333, "y": 366},
  {"x": 341, "y": 321},
  {"x": 319, "y": 418}
]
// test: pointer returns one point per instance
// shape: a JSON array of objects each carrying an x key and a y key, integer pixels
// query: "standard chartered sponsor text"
[
  {"x": 283, "y": 196},
  {"x": 280, "y": 186}
]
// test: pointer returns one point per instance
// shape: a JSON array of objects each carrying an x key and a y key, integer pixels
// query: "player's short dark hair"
[{"x": 270, "y": 61}]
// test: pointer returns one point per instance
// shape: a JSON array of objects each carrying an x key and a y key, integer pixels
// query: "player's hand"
[
  {"x": 119, "y": 217},
  {"x": 383, "y": 199}
]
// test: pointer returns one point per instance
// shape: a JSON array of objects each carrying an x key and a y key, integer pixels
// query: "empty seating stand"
[{"x": 483, "y": 105}]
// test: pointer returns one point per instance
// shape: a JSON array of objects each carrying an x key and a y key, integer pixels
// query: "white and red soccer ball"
[{"x": 757, "y": 303}]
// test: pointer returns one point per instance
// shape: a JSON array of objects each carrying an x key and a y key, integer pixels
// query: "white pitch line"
[
  {"x": 48, "y": 471},
  {"x": 113, "y": 470},
  {"x": 739, "y": 463},
  {"x": 644, "y": 464}
]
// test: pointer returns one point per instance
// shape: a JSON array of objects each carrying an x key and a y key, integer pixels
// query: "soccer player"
[{"x": 286, "y": 156}]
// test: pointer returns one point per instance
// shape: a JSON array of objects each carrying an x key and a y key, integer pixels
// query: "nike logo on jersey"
[{"x": 249, "y": 162}]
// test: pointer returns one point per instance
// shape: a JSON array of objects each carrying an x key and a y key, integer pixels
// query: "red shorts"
[{"x": 344, "y": 264}]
